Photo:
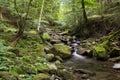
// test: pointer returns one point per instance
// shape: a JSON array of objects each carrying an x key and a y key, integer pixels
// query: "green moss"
[
  {"x": 41, "y": 60},
  {"x": 30, "y": 69},
  {"x": 17, "y": 69},
  {"x": 59, "y": 58},
  {"x": 41, "y": 67},
  {"x": 46, "y": 36},
  {"x": 100, "y": 52},
  {"x": 29, "y": 59},
  {"x": 40, "y": 51},
  {"x": 62, "y": 50}
]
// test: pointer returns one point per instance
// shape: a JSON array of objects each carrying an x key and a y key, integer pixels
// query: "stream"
[{"x": 92, "y": 68}]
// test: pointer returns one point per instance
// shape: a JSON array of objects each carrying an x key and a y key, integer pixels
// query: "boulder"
[
  {"x": 81, "y": 50},
  {"x": 61, "y": 50},
  {"x": 100, "y": 52},
  {"x": 84, "y": 51}
]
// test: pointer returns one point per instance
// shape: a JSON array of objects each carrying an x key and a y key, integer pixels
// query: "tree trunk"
[
  {"x": 84, "y": 12},
  {"x": 21, "y": 24},
  {"x": 101, "y": 7},
  {"x": 40, "y": 17},
  {"x": 73, "y": 10},
  {"x": 1, "y": 17}
]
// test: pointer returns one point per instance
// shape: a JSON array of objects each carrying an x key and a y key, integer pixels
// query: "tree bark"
[{"x": 84, "y": 12}]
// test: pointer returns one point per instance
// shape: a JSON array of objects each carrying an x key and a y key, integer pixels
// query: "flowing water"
[{"x": 103, "y": 69}]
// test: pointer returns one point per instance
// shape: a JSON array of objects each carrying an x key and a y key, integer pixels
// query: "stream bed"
[
  {"x": 102, "y": 70},
  {"x": 91, "y": 69}
]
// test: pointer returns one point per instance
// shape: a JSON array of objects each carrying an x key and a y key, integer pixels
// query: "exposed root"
[{"x": 15, "y": 42}]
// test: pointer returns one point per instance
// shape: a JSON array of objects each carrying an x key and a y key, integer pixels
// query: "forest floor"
[
  {"x": 56, "y": 55},
  {"x": 30, "y": 59}
]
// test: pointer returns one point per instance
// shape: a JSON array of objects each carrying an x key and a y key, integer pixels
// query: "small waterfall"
[
  {"x": 75, "y": 55},
  {"x": 78, "y": 56}
]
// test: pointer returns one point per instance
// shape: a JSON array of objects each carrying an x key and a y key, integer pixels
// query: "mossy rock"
[
  {"x": 100, "y": 52},
  {"x": 42, "y": 67},
  {"x": 7, "y": 76},
  {"x": 65, "y": 75},
  {"x": 59, "y": 65},
  {"x": 41, "y": 76},
  {"x": 52, "y": 66},
  {"x": 46, "y": 36},
  {"x": 61, "y": 50},
  {"x": 59, "y": 58}
]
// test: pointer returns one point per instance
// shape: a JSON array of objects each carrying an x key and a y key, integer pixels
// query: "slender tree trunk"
[
  {"x": 84, "y": 12},
  {"x": 40, "y": 17},
  {"x": 73, "y": 10},
  {"x": 21, "y": 23},
  {"x": 73, "y": 5},
  {"x": 101, "y": 9},
  {"x": 1, "y": 17}
]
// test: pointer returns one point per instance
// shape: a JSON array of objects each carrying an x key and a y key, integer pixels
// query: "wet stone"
[{"x": 116, "y": 66}]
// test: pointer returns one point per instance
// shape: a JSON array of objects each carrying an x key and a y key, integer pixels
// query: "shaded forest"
[{"x": 59, "y": 39}]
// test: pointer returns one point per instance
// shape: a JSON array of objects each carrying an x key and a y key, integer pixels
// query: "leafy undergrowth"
[
  {"x": 21, "y": 61},
  {"x": 25, "y": 61}
]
